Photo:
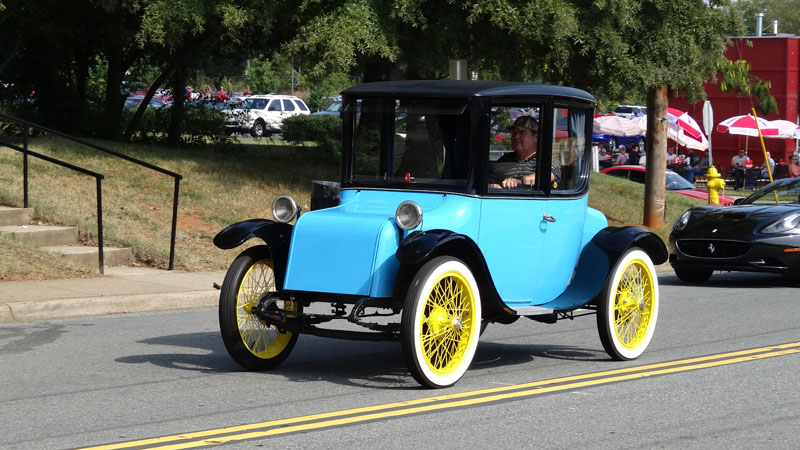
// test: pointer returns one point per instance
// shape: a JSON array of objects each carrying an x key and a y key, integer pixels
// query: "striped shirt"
[{"x": 507, "y": 166}]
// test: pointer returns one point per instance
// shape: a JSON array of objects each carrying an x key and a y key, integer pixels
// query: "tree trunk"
[
  {"x": 137, "y": 117},
  {"x": 176, "y": 112},
  {"x": 654, "y": 207}
]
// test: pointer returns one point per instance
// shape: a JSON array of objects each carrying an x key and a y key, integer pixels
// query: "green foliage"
[
  {"x": 260, "y": 76},
  {"x": 329, "y": 86},
  {"x": 200, "y": 126},
  {"x": 736, "y": 77},
  {"x": 336, "y": 38},
  {"x": 96, "y": 82},
  {"x": 325, "y": 130},
  {"x": 787, "y": 12}
]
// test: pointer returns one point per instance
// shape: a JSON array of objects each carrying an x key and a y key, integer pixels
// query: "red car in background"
[{"x": 674, "y": 182}]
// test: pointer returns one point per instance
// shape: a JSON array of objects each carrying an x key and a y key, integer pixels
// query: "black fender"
[
  {"x": 276, "y": 235},
  {"x": 599, "y": 258},
  {"x": 421, "y": 246}
]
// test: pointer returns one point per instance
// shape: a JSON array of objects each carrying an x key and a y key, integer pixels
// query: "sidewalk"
[{"x": 120, "y": 290}]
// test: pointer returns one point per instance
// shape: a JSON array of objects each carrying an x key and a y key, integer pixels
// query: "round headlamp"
[
  {"x": 408, "y": 215},
  {"x": 284, "y": 209}
]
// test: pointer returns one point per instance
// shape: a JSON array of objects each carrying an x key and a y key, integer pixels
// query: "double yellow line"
[{"x": 220, "y": 436}]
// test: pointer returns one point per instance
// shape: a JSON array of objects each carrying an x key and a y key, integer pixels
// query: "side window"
[
  {"x": 259, "y": 103},
  {"x": 619, "y": 173},
  {"x": 637, "y": 176},
  {"x": 569, "y": 148},
  {"x": 275, "y": 105},
  {"x": 513, "y": 146},
  {"x": 288, "y": 105},
  {"x": 302, "y": 106}
]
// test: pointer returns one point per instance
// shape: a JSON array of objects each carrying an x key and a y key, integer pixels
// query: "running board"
[{"x": 531, "y": 310}]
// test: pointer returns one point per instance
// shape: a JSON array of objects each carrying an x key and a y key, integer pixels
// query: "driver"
[{"x": 513, "y": 169}]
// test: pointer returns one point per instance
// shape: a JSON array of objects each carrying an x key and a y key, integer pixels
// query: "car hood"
[
  {"x": 703, "y": 195},
  {"x": 350, "y": 249},
  {"x": 735, "y": 220}
]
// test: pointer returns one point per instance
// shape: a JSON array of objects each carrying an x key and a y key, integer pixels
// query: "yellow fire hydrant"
[{"x": 715, "y": 184}]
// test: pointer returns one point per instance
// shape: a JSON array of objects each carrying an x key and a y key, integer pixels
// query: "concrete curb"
[{"x": 104, "y": 305}]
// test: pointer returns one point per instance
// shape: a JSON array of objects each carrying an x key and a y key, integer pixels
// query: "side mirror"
[{"x": 738, "y": 200}]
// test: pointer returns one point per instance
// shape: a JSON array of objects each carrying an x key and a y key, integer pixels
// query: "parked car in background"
[
  {"x": 133, "y": 101},
  {"x": 330, "y": 110},
  {"x": 630, "y": 111},
  {"x": 674, "y": 182},
  {"x": 263, "y": 114},
  {"x": 612, "y": 143},
  {"x": 760, "y": 233},
  {"x": 428, "y": 238}
]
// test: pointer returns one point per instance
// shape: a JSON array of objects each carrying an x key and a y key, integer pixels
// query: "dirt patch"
[{"x": 193, "y": 223}]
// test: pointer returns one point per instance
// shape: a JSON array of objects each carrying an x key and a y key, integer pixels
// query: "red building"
[{"x": 773, "y": 58}]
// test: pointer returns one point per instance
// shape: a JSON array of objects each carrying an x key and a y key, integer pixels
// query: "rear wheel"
[
  {"x": 441, "y": 322},
  {"x": 692, "y": 275},
  {"x": 628, "y": 308},
  {"x": 251, "y": 342}
]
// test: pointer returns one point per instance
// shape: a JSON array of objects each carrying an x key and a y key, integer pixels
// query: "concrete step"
[
  {"x": 82, "y": 254},
  {"x": 15, "y": 216},
  {"x": 41, "y": 235}
]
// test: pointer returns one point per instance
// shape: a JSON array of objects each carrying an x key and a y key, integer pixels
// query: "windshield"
[
  {"x": 255, "y": 103},
  {"x": 405, "y": 142},
  {"x": 334, "y": 107},
  {"x": 786, "y": 191},
  {"x": 675, "y": 182}
]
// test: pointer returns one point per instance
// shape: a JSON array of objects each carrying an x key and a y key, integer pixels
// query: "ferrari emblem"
[{"x": 711, "y": 248}]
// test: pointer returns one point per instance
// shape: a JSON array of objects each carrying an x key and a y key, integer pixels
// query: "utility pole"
[{"x": 655, "y": 209}]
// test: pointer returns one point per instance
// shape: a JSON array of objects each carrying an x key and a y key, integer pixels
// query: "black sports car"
[{"x": 760, "y": 233}]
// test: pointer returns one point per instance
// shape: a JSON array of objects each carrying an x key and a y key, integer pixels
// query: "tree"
[
  {"x": 786, "y": 12},
  {"x": 610, "y": 47}
]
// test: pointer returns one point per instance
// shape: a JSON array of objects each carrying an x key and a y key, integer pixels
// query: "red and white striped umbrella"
[
  {"x": 683, "y": 121},
  {"x": 617, "y": 126},
  {"x": 746, "y": 126},
  {"x": 786, "y": 129}
]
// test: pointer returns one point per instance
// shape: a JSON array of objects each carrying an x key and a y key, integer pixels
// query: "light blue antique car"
[{"x": 449, "y": 215}]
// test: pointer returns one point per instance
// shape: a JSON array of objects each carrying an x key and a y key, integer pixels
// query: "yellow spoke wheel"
[
  {"x": 251, "y": 342},
  {"x": 441, "y": 322},
  {"x": 628, "y": 308}
]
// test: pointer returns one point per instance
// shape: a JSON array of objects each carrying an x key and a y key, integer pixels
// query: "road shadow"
[
  {"x": 375, "y": 365},
  {"x": 743, "y": 280}
]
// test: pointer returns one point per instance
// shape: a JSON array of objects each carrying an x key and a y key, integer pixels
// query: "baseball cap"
[{"x": 525, "y": 123}]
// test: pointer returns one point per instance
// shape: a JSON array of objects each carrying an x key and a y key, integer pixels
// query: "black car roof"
[{"x": 463, "y": 89}]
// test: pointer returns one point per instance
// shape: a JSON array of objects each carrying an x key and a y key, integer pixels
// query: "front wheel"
[
  {"x": 251, "y": 342},
  {"x": 441, "y": 322},
  {"x": 258, "y": 129},
  {"x": 628, "y": 307}
]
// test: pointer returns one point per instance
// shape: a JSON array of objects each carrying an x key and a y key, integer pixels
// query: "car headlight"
[
  {"x": 284, "y": 209},
  {"x": 783, "y": 225},
  {"x": 682, "y": 221},
  {"x": 408, "y": 215}
]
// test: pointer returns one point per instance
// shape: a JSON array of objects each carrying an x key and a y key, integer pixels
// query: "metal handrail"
[
  {"x": 177, "y": 177},
  {"x": 98, "y": 180}
]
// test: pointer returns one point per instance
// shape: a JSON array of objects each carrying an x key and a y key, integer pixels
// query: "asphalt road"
[{"x": 109, "y": 380}]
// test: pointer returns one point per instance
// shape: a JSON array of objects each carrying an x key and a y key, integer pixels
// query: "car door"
[
  {"x": 274, "y": 114},
  {"x": 530, "y": 241}
]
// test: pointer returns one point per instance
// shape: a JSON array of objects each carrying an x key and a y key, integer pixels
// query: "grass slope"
[{"x": 220, "y": 186}]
